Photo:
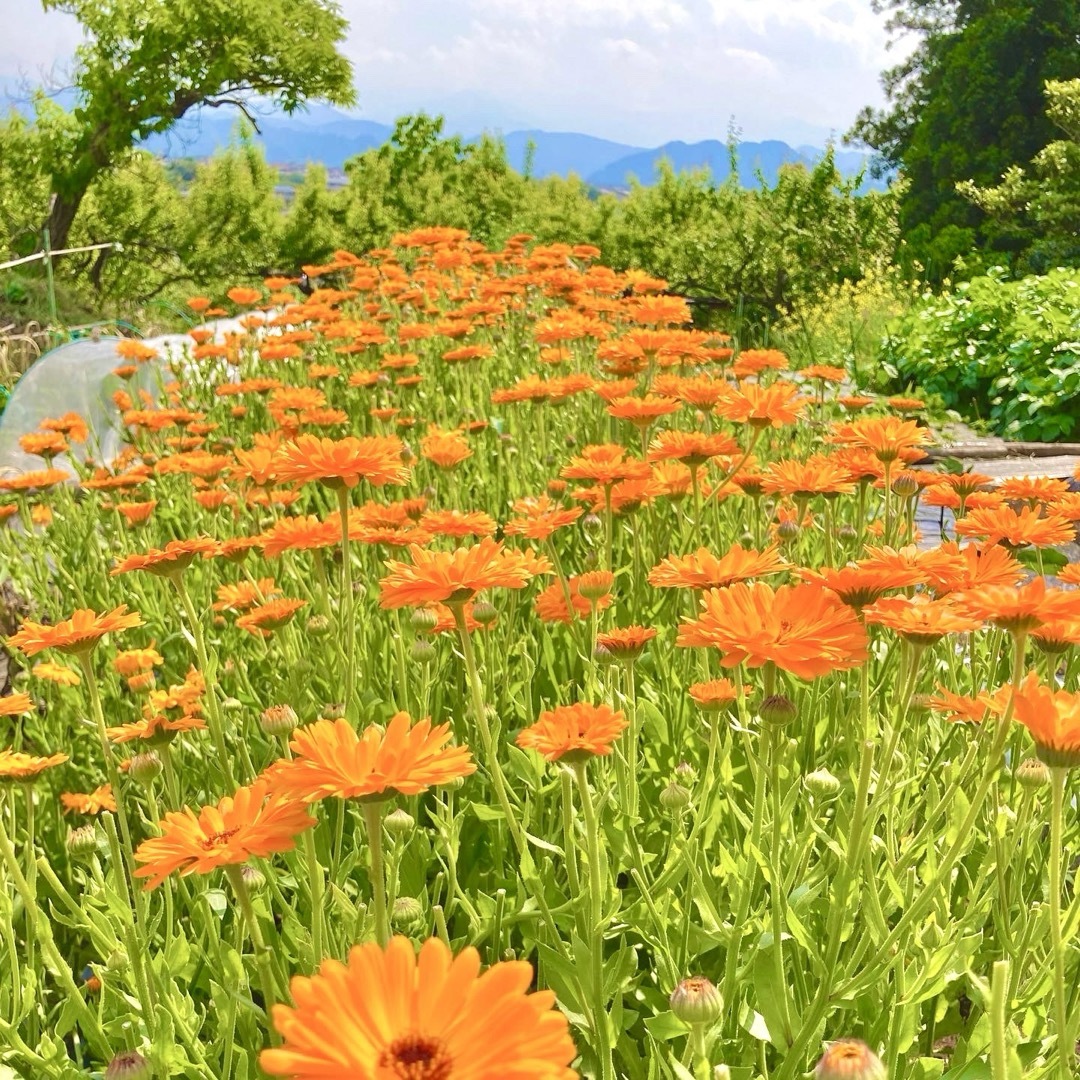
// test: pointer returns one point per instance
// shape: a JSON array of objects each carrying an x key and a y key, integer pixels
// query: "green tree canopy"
[
  {"x": 146, "y": 63},
  {"x": 966, "y": 104}
]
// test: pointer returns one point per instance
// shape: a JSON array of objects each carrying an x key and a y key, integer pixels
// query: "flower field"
[{"x": 473, "y": 672}]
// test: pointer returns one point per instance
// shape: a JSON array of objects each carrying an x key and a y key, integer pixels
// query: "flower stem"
[
  {"x": 258, "y": 943},
  {"x": 373, "y": 820},
  {"x": 999, "y": 991},
  {"x": 348, "y": 605},
  {"x": 1065, "y": 1041}
]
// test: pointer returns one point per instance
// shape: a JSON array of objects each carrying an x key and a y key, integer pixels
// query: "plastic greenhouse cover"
[{"x": 78, "y": 377}]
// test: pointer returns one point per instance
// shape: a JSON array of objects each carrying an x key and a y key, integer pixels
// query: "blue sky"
[{"x": 638, "y": 71}]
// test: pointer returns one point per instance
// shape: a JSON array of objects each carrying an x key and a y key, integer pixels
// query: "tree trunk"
[{"x": 62, "y": 216}]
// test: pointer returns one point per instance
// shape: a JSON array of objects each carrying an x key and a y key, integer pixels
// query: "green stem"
[
  {"x": 1066, "y": 1050},
  {"x": 347, "y": 601},
  {"x": 258, "y": 944},
  {"x": 999, "y": 986},
  {"x": 373, "y": 812}
]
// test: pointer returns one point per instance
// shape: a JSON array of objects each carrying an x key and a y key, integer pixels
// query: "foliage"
[
  {"x": 1007, "y": 352},
  {"x": 967, "y": 104},
  {"x": 1040, "y": 206},
  {"x": 143, "y": 66}
]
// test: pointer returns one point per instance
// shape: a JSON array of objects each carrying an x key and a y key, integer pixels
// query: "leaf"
[{"x": 665, "y": 1026}]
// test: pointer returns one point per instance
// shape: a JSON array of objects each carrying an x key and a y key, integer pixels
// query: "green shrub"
[{"x": 1006, "y": 352}]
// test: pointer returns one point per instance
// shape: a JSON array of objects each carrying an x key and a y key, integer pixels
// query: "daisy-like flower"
[
  {"x": 1003, "y": 525},
  {"x": 703, "y": 570},
  {"x": 775, "y": 405},
  {"x": 57, "y": 673},
  {"x": 175, "y": 557},
  {"x": 155, "y": 728},
  {"x": 445, "y": 448},
  {"x": 950, "y": 568},
  {"x": 574, "y": 732},
  {"x": 28, "y": 481},
  {"x": 919, "y": 619},
  {"x": 803, "y": 629},
  {"x": 251, "y": 822},
  {"x": 539, "y": 517},
  {"x": 551, "y": 603},
  {"x": 886, "y": 437},
  {"x": 76, "y": 635},
  {"x": 858, "y": 585},
  {"x": 625, "y": 642},
  {"x": 344, "y": 462},
  {"x": 300, "y": 534},
  {"x": 331, "y": 760},
  {"x": 960, "y": 708},
  {"x": 455, "y": 576},
  {"x": 1021, "y": 609},
  {"x": 606, "y": 464},
  {"x": 1053, "y": 719},
  {"x": 641, "y": 412},
  {"x": 392, "y": 1015},
  {"x": 273, "y": 615},
  {"x": 15, "y": 704},
  {"x": 99, "y": 799},
  {"x": 26, "y": 767},
  {"x": 692, "y": 448},
  {"x": 457, "y": 523},
  {"x": 713, "y": 695},
  {"x": 818, "y": 475},
  {"x": 245, "y": 594}
]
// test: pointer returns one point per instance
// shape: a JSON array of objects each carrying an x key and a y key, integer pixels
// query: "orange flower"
[
  {"x": 331, "y": 760},
  {"x": 606, "y": 464},
  {"x": 251, "y": 822},
  {"x": 15, "y": 704},
  {"x": 551, "y": 603},
  {"x": 155, "y": 729},
  {"x": 574, "y": 732},
  {"x": 135, "y": 661},
  {"x": 136, "y": 513},
  {"x": 17, "y": 766},
  {"x": 693, "y": 448},
  {"x": 27, "y": 481},
  {"x": 457, "y": 523},
  {"x": 439, "y": 576},
  {"x": 919, "y": 619},
  {"x": 271, "y": 616},
  {"x": 887, "y": 437},
  {"x": 703, "y": 570},
  {"x": 243, "y": 296},
  {"x": 299, "y": 534},
  {"x": 343, "y": 462},
  {"x": 1004, "y": 525},
  {"x": 175, "y": 556},
  {"x": 823, "y": 372},
  {"x": 763, "y": 406},
  {"x": 57, "y": 673},
  {"x": 76, "y": 635},
  {"x": 625, "y": 642},
  {"x": 803, "y": 629},
  {"x": 539, "y": 517},
  {"x": 390, "y": 1014},
  {"x": 641, "y": 412},
  {"x": 1022, "y": 608},
  {"x": 971, "y": 710},
  {"x": 97, "y": 800},
  {"x": 950, "y": 568},
  {"x": 1053, "y": 719},
  {"x": 858, "y": 585},
  {"x": 714, "y": 694},
  {"x": 754, "y": 361},
  {"x": 70, "y": 424},
  {"x": 245, "y": 594},
  {"x": 46, "y": 445},
  {"x": 445, "y": 448},
  {"x": 818, "y": 475}
]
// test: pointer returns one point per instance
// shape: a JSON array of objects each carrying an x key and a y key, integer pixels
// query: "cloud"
[{"x": 641, "y": 71}]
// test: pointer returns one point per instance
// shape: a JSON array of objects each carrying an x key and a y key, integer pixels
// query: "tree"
[
  {"x": 966, "y": 104},
  {"x": 147, "y": 63}
]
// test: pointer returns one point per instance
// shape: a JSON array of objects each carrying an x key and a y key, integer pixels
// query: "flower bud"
[
  {"x": 485, "y": 613},
  {"x": 400, "y": 823},
  {"x": 129, "y": 1065},
  {"x": 592, "y": 524},
  {"x": 905, "y": 486},
  {"x": 850, "y": 1059},
  {"x": 696, "y": 1001},
  {"x": 674, "y": 798},
  {"x": 822, "y": 784},
  {"x": 424, "y": 620},
  {"x": 685, "y": 772},
  {"x": 231, "y": 704},
  {"x": 787, "y": 529},
  {"x": 146, "y": 767},
  {"x": 82, "y": 842},
  {"x": 279, "y": 720},
  {"x": 333, "y": 710},
  {"x": 408, "y": 913},
  {"x": 721, "y": 1072},
  {"x": 847, "y": 533},
  {"x": 423, "y": 652},
  {"x": 777, "y": 709},
  {"x": 117, "y": 961},
  {"x": 1032, "y": 774},
  {"x": 253, "y": 877},
  {"x": 318, "y": 626}
]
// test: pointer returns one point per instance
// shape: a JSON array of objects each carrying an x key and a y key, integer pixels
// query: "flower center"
[
  {"x": 416, "y": 1057},
  {"x": 220, "y": 838}
]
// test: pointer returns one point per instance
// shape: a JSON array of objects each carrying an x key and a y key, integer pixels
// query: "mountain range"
[{"x": 331, "y": 137}]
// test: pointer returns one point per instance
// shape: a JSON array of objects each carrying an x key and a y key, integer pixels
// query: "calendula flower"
[
  {"x": 331, "y": 760},
  {"x": 1003, "y": 525},
  {"x": 693, "y": 448},
  {"x": 57, "y": 673},
  {"x": 28, "y": 481},
  {"x": 642, "y": 411},
  {"x": 99, "y": 799},
  {"x": 775, "y": 405},
  {"x": 253, "y": 821},
  {"x": 703, "y": 570},
  {"x": 245, "y": 594},
  {"x": 155, "y": 728},
  {"x": 1022, "y": 608},
  {"x": 15, "y": 704},
  {"x": 439, "y": 576},
  {"x": 606, "y": 464},
  {"x": 950, "y": 568},
  {"x": 574, "y": 732},
  {"x": 886, "y": 437},
  {"x": 1053, "y": 719},
  {"x": 273, "y": 615},
  {"x": 76, "y": 635},
  {"x": 551, "y": 603},
  {"x": 24, "y": 767},
  {"x": 803, "y": 629},
  {"x": 300, "y": 534},
  {"x": 625, "y": 642},
  {"x": 457, "y": 523},
  {"x": 714, "y": 694},
  {"x": 858, "y": 585},
  {"x": 389, "y": 1014},
  {"x": 135, "y": 661},
  {"x": 920, "y": 619},
  {"x": 343, "y": 462},
  {"x": 445, "y": 448},
  {"x": 818, "y": 475},
  {"x": 174, "y": 557},
  {"x": 539, "y": 517},
  {"x": 960, "y": 708}
]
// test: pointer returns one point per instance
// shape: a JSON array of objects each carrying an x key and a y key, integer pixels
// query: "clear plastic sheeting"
[{"x": 78, "y": 377}]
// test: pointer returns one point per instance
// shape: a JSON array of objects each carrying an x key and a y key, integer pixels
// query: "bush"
[{"x": 1006, "y": 352}]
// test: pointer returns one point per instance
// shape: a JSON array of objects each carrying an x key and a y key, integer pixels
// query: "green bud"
[
  {"x": 400, "y": 823},
  {"x": 129, "y": 1065},
  {"x": 1032, "y": 774},
  {"x": 408, "y": 913},
  {"x": 696, "y": 1001},
  {"x": 850, "y": 1059},
  {"x": 279, "y": 720},
  {"x": 822, "y": 784},
  {"x": 674, "y": 798},
  {"x": 146, "y": 767}
]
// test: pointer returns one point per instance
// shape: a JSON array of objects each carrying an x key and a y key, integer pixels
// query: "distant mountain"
[
  {"x": 559, "y": 153},
  {"x": 764, "y": 158}
]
